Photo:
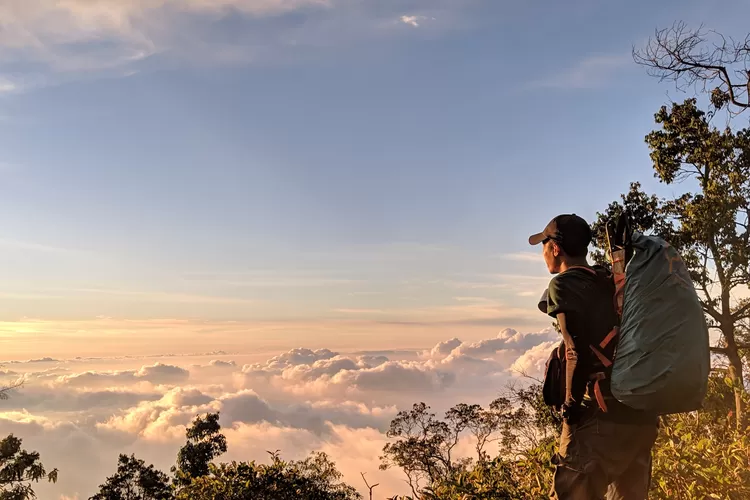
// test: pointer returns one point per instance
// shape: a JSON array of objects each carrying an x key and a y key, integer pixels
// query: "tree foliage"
[
  {"x": 134, "y": 480},
  {"x": 315, "y": 478},
  {"x": 18, "y": 469}
]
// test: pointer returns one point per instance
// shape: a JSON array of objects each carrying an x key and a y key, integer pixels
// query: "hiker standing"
[{"x": 605, "y": 446}]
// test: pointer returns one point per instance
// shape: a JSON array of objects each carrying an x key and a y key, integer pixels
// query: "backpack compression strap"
[{"x": 619, "y": 246}]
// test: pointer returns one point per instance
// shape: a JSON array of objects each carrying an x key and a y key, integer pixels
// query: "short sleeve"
[{"x": 558, "y": 299}]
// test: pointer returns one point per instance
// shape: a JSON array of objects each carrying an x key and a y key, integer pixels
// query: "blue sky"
[{"x": 353, "y": 161}]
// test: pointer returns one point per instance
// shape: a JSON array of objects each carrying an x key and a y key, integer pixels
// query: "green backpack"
[{"x": 662, "y": 359}]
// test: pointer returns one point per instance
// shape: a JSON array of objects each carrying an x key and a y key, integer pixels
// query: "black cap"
[{"x": 570, "y": 231}]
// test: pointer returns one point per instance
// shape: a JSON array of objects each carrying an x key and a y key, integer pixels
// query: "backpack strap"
[
  {"x": 598, "y": 377},
  {"x": 619, "y": 240}
]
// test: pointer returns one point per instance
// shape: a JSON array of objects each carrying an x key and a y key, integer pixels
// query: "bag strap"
[{"x": 619, "y": 241}]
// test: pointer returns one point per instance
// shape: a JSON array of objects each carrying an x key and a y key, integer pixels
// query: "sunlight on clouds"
[
  {"x": 532, "y": 362},
  {"x": 295, "y": 401}
]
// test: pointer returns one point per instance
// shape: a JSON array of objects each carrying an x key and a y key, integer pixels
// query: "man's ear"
[{"x": 556, "y": 250}]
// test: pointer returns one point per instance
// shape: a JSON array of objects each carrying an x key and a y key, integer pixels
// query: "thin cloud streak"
[
  {"x": 37, "y": 247},
  {"x": 592, "y": 72},
  {"x": 523, "y": 256},
  {"x": 166, "y": 296},
  {"x": 360, "y": 311}
]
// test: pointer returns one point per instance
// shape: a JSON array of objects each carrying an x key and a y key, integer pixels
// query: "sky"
[{"x": 249, "y": 177}]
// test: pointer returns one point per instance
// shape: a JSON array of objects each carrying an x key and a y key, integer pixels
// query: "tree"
[
  {"x": 525, "y": 427},
  {"x": 205, "y": 443},
  {"x": 710, "y": 226},
  {"x": 18, "y": 468},
  {"x": 315, "y": 478},
  {"x": 710, "y": 61},
  {"x": 424, "y": 445},
  {"x": 135, "y": 481}
]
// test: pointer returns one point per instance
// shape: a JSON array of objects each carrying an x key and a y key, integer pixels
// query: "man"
[{"x": 605, "y": 446}]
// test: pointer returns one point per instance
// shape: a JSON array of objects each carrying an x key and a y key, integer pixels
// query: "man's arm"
[
  {"x": 560, "y": 302},
  {"x": 571, "y": 358}
]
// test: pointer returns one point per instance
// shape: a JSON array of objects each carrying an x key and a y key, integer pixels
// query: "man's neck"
[{"x": 568, "y": 263}]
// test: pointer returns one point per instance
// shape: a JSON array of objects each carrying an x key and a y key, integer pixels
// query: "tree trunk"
[{"x": 735, "y": 373}]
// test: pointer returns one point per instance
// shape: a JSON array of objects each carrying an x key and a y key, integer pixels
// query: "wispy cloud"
[
  {"x": 272, "y": 279},
  {"x": 84, "y": 36},
  {"x": 411, "y": 20},
  {"x": 360, "y": 311},
  {"x": 523, "y": 256},
  {"x": 47, "y": 42},
  {"x": 415, "y": 21},
  {"x": 36, "y": 247},
  {"x": 7, "y": 86},
  {"x": 155, "y": 296},
  {"x": 591, "y": 72}
]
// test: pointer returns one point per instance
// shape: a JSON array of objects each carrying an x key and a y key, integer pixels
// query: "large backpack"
[{"x": 662, "y": 357}]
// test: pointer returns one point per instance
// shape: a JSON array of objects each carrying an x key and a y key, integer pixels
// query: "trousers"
[{"x": 603, "y": 459}]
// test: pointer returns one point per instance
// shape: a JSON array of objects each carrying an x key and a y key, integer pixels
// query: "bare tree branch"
[{"x": 687, "y": 57}]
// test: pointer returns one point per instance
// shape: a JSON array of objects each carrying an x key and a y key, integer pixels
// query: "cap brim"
[{"x": 535, "y": 239}]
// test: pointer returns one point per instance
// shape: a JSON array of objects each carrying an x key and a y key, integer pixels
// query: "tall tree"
[
  {"x": 134, "y": 480},
  {"x": 18, "y": 469},
  {"x": 710, "y": 225},
  {"x": 205, "y": 442},
  {"x": 707, "y": 60}
]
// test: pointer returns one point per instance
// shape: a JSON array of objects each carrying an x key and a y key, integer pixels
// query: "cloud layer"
[{"x": 297, "y": 401}]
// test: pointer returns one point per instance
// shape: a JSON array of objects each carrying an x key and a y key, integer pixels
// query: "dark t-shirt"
[{"x": 586, "y": 296}]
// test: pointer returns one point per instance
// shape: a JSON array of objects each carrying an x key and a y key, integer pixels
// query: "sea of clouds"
[{"x": 80, "y": 413}]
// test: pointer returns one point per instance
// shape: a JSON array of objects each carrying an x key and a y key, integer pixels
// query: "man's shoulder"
[
  {"x": 579, "y": 274},
  {"x": 594, "y": 273},
  {"x": 590, "y": 280}
]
